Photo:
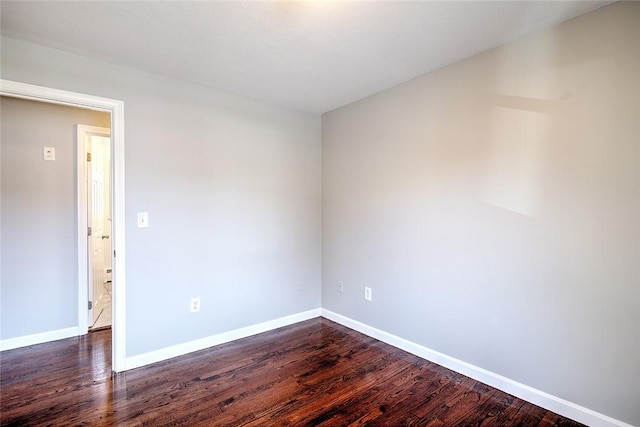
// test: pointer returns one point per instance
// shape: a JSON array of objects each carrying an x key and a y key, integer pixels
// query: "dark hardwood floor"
[{"x": 312, "y": 373}]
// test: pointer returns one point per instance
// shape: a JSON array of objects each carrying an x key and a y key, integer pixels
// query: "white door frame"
[{"x": 116, "y": 109}]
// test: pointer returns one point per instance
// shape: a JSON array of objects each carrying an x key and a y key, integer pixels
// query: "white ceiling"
[{"x": 308, "y": 55}]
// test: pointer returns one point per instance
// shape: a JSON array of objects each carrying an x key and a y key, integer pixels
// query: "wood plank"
[{"x": 312, "y": 373}]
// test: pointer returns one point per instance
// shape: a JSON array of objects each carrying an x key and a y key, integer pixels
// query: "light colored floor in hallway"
[{"x": 103, "y": 308}]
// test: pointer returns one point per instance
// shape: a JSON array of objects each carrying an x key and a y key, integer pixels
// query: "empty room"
[{"x": 320, "y": 213}]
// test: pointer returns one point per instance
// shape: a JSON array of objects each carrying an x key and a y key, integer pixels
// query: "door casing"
[{"x": 116, "y": 109}]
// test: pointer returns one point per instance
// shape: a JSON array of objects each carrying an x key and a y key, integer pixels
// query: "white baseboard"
[
  {"x": 202, "y": 343},
  {"x": 522, "y": 391},
  {"x": 40, "y": 338}
]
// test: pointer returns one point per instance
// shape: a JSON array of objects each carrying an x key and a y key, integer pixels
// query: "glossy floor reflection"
[{"x": 312, "y": 373}]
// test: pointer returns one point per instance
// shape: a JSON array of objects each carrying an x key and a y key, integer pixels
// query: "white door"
[{"x": 99, "y": 232}]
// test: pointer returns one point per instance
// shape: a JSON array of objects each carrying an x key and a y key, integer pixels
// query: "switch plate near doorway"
[
  {"x": 49, "y": 153},
  {"x": 143, "y": 219}
]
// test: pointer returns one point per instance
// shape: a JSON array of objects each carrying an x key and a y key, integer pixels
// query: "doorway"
[
  {"x": 95, "y": 143},
  {"x": 116, "y": 109}
]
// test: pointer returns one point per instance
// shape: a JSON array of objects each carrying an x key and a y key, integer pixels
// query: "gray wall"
[
  {"x": 38, "y": 281},
  {"x": 494, "y": 208},
  {"x": 232, "y": 187}
]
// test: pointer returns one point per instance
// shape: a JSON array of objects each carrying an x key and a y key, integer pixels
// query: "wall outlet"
[
  {"x": 340, "y": 286},
  {"x": 367, "y": 294},
  {"x": 195, "y": 304}
]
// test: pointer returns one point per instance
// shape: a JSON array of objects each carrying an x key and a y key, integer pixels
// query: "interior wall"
[
  {"x": 493, "y": 207},
  {"x": 232, "y": 188},
  {"x": 38, "y": 216}
]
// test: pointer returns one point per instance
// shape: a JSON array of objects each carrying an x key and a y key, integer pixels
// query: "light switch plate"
[
  {"x": 49, "y": 153},
  {"x": 143, "y": 219}
]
